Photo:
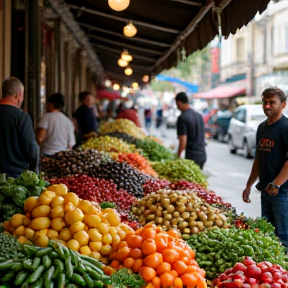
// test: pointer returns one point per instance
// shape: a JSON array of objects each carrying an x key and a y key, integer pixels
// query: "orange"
[
  {"x": 122, "y": 244},
  {"x": 186, "y": 260},
  {"x": 163, "y": 267},
  {"x": 180, "y": 267},
  {"x": 137, "y": 265},
  {"x": 135, "y": 253},
  {"x": 170, "y": 255},
  {"x": 166, "y": 279},
  {"x": 178, "y": 283},
  {"x": 153, "y": 260},
  {"x": 148, "y": 247},
  {"x": 129, "y": 262},
  {"x": 189, "y": 280},
  {"x": 191, "y": 252},
  {"x": 161, "y": 242},
  {"x": 122, "y": 253},
  {"x": 173, "y": 233},
  {"x": 173, "y": 273},
  {"x": 148, "y": 233},
  {"x": 192, "y": 269},
  {"x": 147, "y": 273},
  {"x": 134, "y": 241},
  {"x": 156, "y": 282}
]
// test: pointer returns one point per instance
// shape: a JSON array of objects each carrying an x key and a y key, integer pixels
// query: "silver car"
[{"x": 242, "y": 129}]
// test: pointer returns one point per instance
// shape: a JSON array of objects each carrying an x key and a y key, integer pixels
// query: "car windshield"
[{"x": 258, "y": 117}]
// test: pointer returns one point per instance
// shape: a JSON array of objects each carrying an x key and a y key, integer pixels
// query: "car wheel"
[
  {"x": 246, "y": 152},
  {"x": 231, "y": 146}
]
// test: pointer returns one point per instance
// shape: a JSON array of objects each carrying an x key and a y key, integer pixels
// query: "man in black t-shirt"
[
  {"x": 18, "y": 148},
  {"x": 271, "y": 163},
  {"x": 190, "y": 131},
  {"x": 84, "y": 118}
]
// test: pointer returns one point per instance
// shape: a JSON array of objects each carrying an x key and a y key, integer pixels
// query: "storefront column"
[
  {"x": 76, "y": 76},
  {"x": 69, "y": 99},
  {"x": 5, "y": 33},
  {"x": 83, "y": 65},
  {"x": 33, "y": 60}
]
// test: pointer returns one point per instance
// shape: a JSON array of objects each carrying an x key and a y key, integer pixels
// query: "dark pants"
[
  {"x": 275, "y": 210},
  {"x": 198, "y": 158}
]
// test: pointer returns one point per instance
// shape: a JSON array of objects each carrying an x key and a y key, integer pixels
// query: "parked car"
[
  {"x": 171, "y": 116},
  {"x": 242, "y": 129}
]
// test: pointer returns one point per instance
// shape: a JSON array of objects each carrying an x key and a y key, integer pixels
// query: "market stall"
[{"x": 123, "y": 211}]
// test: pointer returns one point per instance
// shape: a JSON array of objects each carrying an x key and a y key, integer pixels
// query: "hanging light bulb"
[
  {"x": 130, "y": 30},
  {"x": 135, "y": 85},
  {"x": 122, "y": 63},
  {"x": 118, "y": 5},
  {"x": 145, "y": 78},
  {"x": 126, "y": 56},
  {"x": 116, "y": 87},
  {"x": 128, "y": 71}
]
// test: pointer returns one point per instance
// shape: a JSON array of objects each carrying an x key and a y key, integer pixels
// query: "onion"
[
  {"x": 150, "y": 217},
  {"x": 176, "y": 214},
  {"x": 170, "y": 209},
  {"x": 181, "y": 209},
  {"x": 159, "y": 220},
  {"x": 153, "y": 208},
  {"x": 185, "y": 215}
]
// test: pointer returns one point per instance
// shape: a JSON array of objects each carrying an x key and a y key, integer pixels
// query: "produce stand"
[{"x": 122, "y": 211}]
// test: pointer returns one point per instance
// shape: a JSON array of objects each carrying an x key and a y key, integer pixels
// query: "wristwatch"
[{"x": 272, "y": 188}]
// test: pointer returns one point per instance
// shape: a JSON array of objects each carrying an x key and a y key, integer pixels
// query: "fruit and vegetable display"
[
  {"x": 249, "y": 273},
  {"x": 219, "y": 249},
  {"x": 154, "y": 151},
  {"x": 108, "y": 144},
  {"x": 122, "y": 125},
  {"x": 146, "y": 224},
  {"x": 123, "y": 136},
  {"x": 138, "y": 162},
  {"x": 161, "y": 258},
  {"x": 53, "y": 266},
  {"x": 72, "y": 162},
  {"x": 181, "y": 169},
  {"x": 59, "y": 214},
  {"x": 181, "y": 210},
  {"x": 13, "y": 192},
  {"x": 97, "y": 190}
]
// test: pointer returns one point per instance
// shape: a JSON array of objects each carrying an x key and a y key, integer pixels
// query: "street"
[{"x": 227, "y": 173}]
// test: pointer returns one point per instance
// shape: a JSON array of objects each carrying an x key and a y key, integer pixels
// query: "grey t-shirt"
[{"x": 59, "y": 133}]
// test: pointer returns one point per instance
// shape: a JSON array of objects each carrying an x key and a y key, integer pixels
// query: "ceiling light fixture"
[
  {"x": 118, "y": 5},
  {"x": 128, "y": 71},
  {"x": 135, "y": 85},
  {"x": 130, "y": 30},
  {"x": 122, "y": 63},
  {"x": 145, "y": 78},
  {"x": 126, "y": 56},
  {"x": 116, "y": 87}
]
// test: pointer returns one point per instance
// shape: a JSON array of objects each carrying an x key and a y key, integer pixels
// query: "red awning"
[
  {"x": 224, "y": 91},
  {"x": 109, "y": 95}
]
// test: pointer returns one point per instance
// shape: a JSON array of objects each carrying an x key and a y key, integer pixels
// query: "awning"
[
  {"x": 224, "y": 91},
  {"x": 109, "y": 95},
  {"x": 190, "y": 86}
]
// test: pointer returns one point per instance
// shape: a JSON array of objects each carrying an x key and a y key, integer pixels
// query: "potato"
[
  {"x": 46, "y": 197},
  {"x": 57, "y": 211},
  {"x": 41, "y": 211},
  {"x": 19, "y": 231},
  {"x": 18, "y": 220},
  {"x": 59, "y": 189},
  {"x": 30, "y": 203},
  {"x": 40, "y": 240},
  {"x": 65, "y": 234},
  {"x": 57, "y": 224},
  {"x": 58, "y": 200},
  {"x": 40, "y": 223}
]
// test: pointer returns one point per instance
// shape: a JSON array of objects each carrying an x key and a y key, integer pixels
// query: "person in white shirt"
[{"x": 55, "y": 131}]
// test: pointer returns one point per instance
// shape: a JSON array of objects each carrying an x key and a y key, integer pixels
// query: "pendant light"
[
  {"x": 145, "y": 78},
  {"x": 126, "y": 56},
  {"x": 116, "y": 87},
  {"x": 118, "y": 5},
  {"x": 122, "y": 63},
  {"x": 128, "y": 71},
  {"x": 130, "y": 30},
  {"x": 135, "y": 85}
]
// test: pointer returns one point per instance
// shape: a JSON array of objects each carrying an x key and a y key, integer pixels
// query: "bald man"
[{"x": 18, "y": 148}]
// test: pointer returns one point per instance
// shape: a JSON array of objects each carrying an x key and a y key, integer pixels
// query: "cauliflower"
[{"x": 28, "y": 179}]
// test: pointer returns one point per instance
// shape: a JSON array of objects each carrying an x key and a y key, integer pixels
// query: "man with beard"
[{"x": 271, "y": 163}]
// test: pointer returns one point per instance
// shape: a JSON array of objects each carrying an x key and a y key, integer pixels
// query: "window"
[
  {"x": 286, "y": 38},
  {"x": 241, "y": 115},
  {"x": 240, "y": 49}
]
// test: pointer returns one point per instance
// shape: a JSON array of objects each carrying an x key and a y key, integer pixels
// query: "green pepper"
[
  {"x": 59, "y": 263},
  {"x": 36, "y": 274},
  {"x": 27, "y": 264},
  {"x": 61, "y": 280},
  {"x": 44, "y": 251},
  {"x": 74, "y": 257},
  {"x": 98, "y": 284},
  {"x": 8, "y": 276},
  {"x": 31, "y": 250},
  {"x": 20, "y": 277},
  {"x": 6, "y": 265},
  {"x": 88, "y": 280},
  {"x": 68, "y": 268},
  {"x": 106, "y": 279},
  {"x": 48, "y": 276},
  {"x": 46, "y": 261},
  {"x": 38, "y": 283},
  {"x": 77, "y": 279},
  {"x": 93, "y": 274},
  {"x": 36, "y": 263},
  {"x": 17, "y": 266}
]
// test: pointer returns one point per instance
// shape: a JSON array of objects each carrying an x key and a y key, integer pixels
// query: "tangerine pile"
[{"x": 162, "y": 258}]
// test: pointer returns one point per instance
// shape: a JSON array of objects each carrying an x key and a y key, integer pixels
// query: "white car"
[{"x": 242, "y": 129}]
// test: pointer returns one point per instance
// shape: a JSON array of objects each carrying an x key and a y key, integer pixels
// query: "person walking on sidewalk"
[
  {"x": 271, "y": 163},
  {"x": 190, "y": 131},
  {"x": 19, "y": 150}
]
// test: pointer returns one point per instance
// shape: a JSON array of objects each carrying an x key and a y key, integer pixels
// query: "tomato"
[{"x": 153, "y": 260}]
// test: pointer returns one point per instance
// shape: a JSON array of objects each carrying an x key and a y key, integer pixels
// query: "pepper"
[
  {"x": 38, "y": 283},
  {"x": 8, "y": 276},
  {"x": 44, "y": 251},
  {"x": 61, "y": 280},
  {"x": 48, "y": 276},
  {"x": 6, "y": 265},
  {"x": 77, "y": 279},
  {"x": 98, "y": 284},
  {"x": 17, "y": 266},
  {"x": 36, "y": 263},
  {"x": 36, "y": 274},
  {"x": 68, "y": 268},
  {"x": 20, "y": 277},
  {"x": 88, "y": 280},
  {"x": 46, "y": 261}
]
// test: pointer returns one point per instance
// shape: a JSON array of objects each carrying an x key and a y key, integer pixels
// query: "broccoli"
[
  {"x": 28, "y": 179},
  {"x": 19, "y": 195},
  {"x": 8, "y": 210},
  {"x": 7, "y": 190}
]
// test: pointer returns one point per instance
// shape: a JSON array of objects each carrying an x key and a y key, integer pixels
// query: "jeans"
[{"x": 275, "y": 210}]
